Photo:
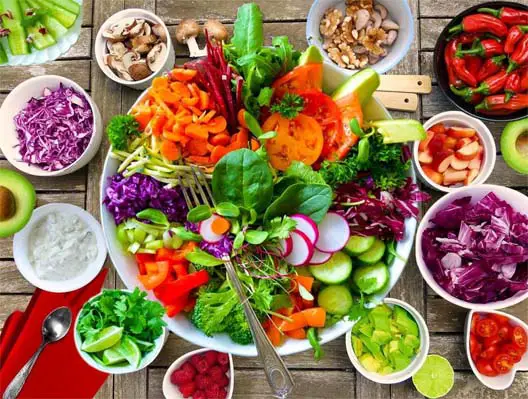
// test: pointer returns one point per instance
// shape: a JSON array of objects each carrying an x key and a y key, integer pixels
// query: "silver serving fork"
[{"x": 277, "y": 374}]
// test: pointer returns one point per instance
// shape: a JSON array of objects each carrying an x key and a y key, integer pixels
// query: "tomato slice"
[
  {"x": 474, "y": 320},
  {"x": 513, "y": 351},
  {"x": 299, "y": 78},
  {"x": 490, "y": 352},
  {"x": 502, "y": 363},
  {"x": 491, "y": 341},
  {"x": 519, "y": 337},
  {"x": 505, "y": 332},
  {"x": 484, "y": 367},
  {"x": 500, "y": 319},
  {"x": 487, "y": 328},
  {"x": 475, "y": 347}
]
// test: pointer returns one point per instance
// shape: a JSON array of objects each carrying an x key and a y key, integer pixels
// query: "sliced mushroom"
[
  {"x": 156, "y": 57},
  {"x": 362, "y": 17},
  {"x": 186, "y": 33},
  {"x": 138, "y": 29},
  {"x": 138, "y": 24},
  {"x": 376, "y": 17},
  {"x": 147, "y": 30},
  {"x": 389, "y": 24},
  {"x": 116, "y": 31},
  {"x": 216, "y": 30},
  {"x": 117, "y": 49},
  {"x": 159, "y": 31},
  {"x": 382, "y": 10},
  {"x": 129, "y": 58},
  {"x": 139, "y": 70},
  {"x": 124, "y": 75},
  {"x": 391, "y": 37},
  {"x": 143, "y": 44}
]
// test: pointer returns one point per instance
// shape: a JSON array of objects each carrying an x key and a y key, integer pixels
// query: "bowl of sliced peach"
[{"x": 459, "y": 151}]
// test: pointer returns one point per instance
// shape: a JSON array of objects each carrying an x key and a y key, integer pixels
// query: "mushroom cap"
[
  {"x": 187, "y": 28},
  {"x": 156, "y": 57},
  {"x": 139, "y": 70},
  {"x": 216, "y": 29}
]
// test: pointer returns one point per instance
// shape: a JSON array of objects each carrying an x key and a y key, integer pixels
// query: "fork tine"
[
  {"x": 206, "y": 185},
  {"x": 192, "y": 190},
  {"x": 185, "y": 195},
  {"x": 199, "y": 185}
]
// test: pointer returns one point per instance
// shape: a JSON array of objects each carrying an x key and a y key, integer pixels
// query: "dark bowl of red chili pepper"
[{"x": 481, "y": 61}]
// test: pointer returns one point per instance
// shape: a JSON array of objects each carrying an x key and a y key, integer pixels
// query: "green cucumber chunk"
[
  {"x": 335, "y": 271},
  {"x": 335, "y": 299},
  {"x": 17, "y": 33},
  {"x": 54, "y": 27},
  {"x": 357, "y": 245},
  {"x": 68, "y": 5},
  {"x": 40, "y": 40},
  {"x": 3, "y": 55},
  {"x": 371, "y": 279},
  {"x": 65, "y": 17},
  {"x": 374, "y": 253}
]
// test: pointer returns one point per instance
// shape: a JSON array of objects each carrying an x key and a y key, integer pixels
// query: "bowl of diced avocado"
[{"x": 388, "y": 343}]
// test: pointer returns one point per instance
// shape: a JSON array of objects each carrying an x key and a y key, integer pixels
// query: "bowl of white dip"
[{"x": 61, "y": 249}]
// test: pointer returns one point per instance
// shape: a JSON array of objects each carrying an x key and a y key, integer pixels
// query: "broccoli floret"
[
  {"x": 238, "y": 327},
  {"x": 120, "y": 129},
  {"x": 212, "y": 309}
]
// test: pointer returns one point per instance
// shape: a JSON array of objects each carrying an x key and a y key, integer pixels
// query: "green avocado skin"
[
  {"x": 510, "y": 143},
  {"x": 25, "y": 199}
]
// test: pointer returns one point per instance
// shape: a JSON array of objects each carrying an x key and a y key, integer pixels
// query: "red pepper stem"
[
  {"x": 497, "y": 60},
  {"x": 456, "y": 29},
  {"x": 512, "y": 66},
  {"x": 523, "y": 28},
  {"x": 495, "y": 13},
  {"x": 462, "y": 92}
]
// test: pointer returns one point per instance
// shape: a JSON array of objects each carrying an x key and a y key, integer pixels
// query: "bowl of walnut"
[{"x": 356, "y": 34}]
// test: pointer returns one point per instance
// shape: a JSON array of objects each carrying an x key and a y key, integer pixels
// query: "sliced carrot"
[
  {"x": 217, "y": 125},
  {"x": 220, "y": 225},
  {"x": 305, "y": 281},
  {"x": 285, "y": 311},
  {"x": 183, "y": 75},
  {"x": 196, "y": 159},
  {"x": 274, "y": 335},
  {"x": 298, "y": 321},
  {"x": 208, "y": 116},
  {"x": 315, "y": 317},
  {"x": 181, "y": 89},
  {"x": 240, "y": 139},
  {"x": 241, "y": 118},
  {"x": 157, "y": 123},
  {"x": 170, "y": 150},
  {"x": 190, "y": 100},
  {"x": 204, "y": 100},
  {"x": 220, "y": 139},
  {"x": 255, "y": 145},
  {"x": 160, "y": 83},
  {"x": 169, "y": 97},
  {"x": 218, "y": 152},
  {"x": 197, "y": 147},
  {"x": 198, "y": 132},
  {"x": 300, "y": 333},
  {"x": 143, "y": 115}
]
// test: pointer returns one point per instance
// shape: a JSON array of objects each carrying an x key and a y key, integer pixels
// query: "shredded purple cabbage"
[
  {"x": 54, "y": 130},
  {"x": 478, "y": 252},
  {"x": 125, "y": 197},
  {"x": 218, "y": 249}
]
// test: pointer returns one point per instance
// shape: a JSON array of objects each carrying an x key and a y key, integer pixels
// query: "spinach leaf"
[
  {"x": 244, "y": 179},
  {"x": 199, "y": 213},
  {"x": 203, "y": 258},
  {"x": 227, "y": 209},
  {"x": 312, "y": 200},
  {"x": 304, "y": 173},
  {"x": 248, "y": 34},
  {"x": 256, "y": 237},
  {"x": 185, "y": 234},
  {"x": 283, "y": 183},
  {"x": 153, "y": 215}
]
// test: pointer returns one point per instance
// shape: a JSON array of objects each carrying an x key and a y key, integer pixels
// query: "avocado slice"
[
  {"x": 311, "y": 55},
  {"x": 370, "y": 363},
  {"x": 357, "y": 345},
  {"x": 17, "y": 201},
  {"x": 398, "y": 360},
  {"x": 412, "y": 341},
  {"x": 386, "y": 370},
  {"x": 514, "y": 145},
  {"x": 363, "y": 83},
  {"x": 399, "y": 130},
  {"x": 405, "y": 322},
  {"x": 380, "y": 337}
]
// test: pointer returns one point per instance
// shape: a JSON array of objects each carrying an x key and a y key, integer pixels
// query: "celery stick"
[
  {"x": 3, "y": 55},
  {"x": 65, "y": 17},
  {"x": 68, "y": 5},
  {"x": 17, "y": 35}
]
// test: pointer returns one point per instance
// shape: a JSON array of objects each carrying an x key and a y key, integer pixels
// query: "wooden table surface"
[{"x": 333, "y": 376}]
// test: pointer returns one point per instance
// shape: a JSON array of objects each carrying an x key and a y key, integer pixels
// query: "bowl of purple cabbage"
[
  {"x": 50, "y": 126},
  {"x": 472, "y": 247}
]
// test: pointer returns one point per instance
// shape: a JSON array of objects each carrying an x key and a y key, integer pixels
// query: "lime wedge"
[
  {"x": 129, "y": 350},
  {"x": 103, "y": 340},
  {"x": 436, "y": 377},
  {"x": 112, "y": 356}
]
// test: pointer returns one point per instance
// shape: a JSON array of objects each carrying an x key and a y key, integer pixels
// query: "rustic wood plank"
[
  {"x": 368, "y": 389},
  {"x": 78, "y": 70},
  {"x": 107, "y": 389},
  {"x": 468, "y": 386},
  {"x": 173, "y": 11},
  {"x": 11, "y": 281},
  {"x": 10, "y": 303},
  {"x": 430, "y": 29},
  {"x": 131, "y": 386},
  {"x": 87, "y": 12},
  {"x": 83, "y": 47},
  {"x": 452, "y": 347},
  {"x": 444, "y": 8}
]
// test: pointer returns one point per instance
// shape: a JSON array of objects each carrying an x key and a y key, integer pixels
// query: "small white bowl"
[
  {"x": 518, "y": 201},
  {"x": 101, "y": 51},
  {"x": 17, "y": 100},
  {"x": 145, "y": 361},
  {"x": 171, "y": 391},
  {"x": 418, "y": 360},
  {"x": 457, "y": 118},
  {"x": 21, "y": 252},
  {"x": 500, "y": 382},
  {"x": 399, "y": 12}
]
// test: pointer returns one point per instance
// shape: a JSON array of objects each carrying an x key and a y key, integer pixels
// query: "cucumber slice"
[
  {"x": 335, "y": 271},
  {"x": 374, "y": 254},
  {"x": 68, "y": 5},
  {"x": 3, "y": 55},
  {"x": 65, "y": 17},
  {"x": 40, "y": 40},
  {"x": 335, "y": 299},
  {"x": 14, "y": 8},
  {"x": 54, "y": 27},
  {"x": 371, "y": 279},
  {"x": 17, "y": 34},
  {"x": 356, "y": 245}
]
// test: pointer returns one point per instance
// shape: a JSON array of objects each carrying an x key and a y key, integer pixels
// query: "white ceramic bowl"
[
  {"x": 171, "y": 391},
  {"x": 145, "y": 361},
  {"x": 416, "y": 363},
  {"x": 21, "y": 242},
  {"x": 399, "y": 12},
  {"x": 100, "y": 48},
  {"x": 461, "y": 119},
  {"x": 518, "y": 201},
  {"x": 180, "y": 325},
  {"x": 17, "y": 100},
  {"x": 500, "y": 382}
]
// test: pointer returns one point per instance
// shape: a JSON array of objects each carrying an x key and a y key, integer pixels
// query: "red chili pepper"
[
  {"x": 524, "y": 79},
  {"x": 468, "y": 38},
  {"x": 461, "y": 71},
  {"x": 449, "y": 54},
  {"x": 513, "y": 84},
  {"x": 508, "y": 15},
  {"x": 493, "y": 84},
  {"x": 499, "y": 102},
  {"x": 468, "y": 94},
  {"x": 520, "y": 54},
  {"x": 473, "y": 63},
  {"x": 490, "y": 67},
  {"x": 514, "y": 35},
  {"x": 486, "y": 48},
  {"x": 481, "y": 23}
]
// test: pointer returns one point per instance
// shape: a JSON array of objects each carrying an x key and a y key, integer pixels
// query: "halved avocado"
[
  {"x": 514, "y": 145},
  {"x": 17, "y": 201}
]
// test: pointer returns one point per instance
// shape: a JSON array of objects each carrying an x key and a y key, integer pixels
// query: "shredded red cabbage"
[
  {"x": 125, "y": 197},
  {"x": 218, "y": 249},
  {"x": 54, "y": 130},
  {"x": 478, "y": 252},
  {"x": 372, "y": 212}
]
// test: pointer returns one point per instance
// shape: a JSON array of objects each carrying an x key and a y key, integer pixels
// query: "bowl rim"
[
  {"x": 416, "y": 363},
  {"x": 436, "y": 65},
  {"x": 424, "y": 270},
  {"x": 100, "y": 45},
  {"x": 311, "y": 39},
  {"x": 20, "y": 250},
  {"x": 96, "y": 133},
  {"x": 159, "y": 343},
  {"x": 469, "y": 121},
  {"x": 179, "y": 361}
]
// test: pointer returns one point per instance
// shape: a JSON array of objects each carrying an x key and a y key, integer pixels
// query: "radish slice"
[
  {"x": 318, "y": 258},
  {"x": 334, "y": 233},
  {"x": 302, "y": 250},
  {"x": 307, "y": 226},
  {"x": 207, "y": 232},
  {"x": 285, "y": 247}
]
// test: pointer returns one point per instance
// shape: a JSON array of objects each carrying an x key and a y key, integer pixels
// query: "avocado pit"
[{"x": 7, "y": 204}]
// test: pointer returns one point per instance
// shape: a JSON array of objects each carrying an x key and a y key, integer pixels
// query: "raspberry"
[
  {"x": 223, "y": 381},
  {"x": 202, "y": 366},
  {"x": 203, "y": 381},
  {"x": 213, "y": 392},
  {"x": 199, "y": 395},
  {"x": 195, "y": 359},
  {"x": 211, "y": 358},
  {"x": 225, "y": 367},
  {"x": 187, "y": 389},
  {"x": 179, "y": 377},
  {"x": 223, "y": 358},
  {"x": 189, "y": 368},
  {"x": 222, "y": 394},
  {"x": 215, "y": 373}
]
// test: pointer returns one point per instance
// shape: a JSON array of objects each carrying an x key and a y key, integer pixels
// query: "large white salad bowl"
[{"x": 180, "y": 325}]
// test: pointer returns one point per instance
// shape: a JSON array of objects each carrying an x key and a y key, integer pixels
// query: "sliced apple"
[
  {"x": 442, "y": 160},
  {"x": 473, "y": 173},
  {"x": 461, "y": 132},
  {"x": 462, "y": 143},
  {"x": 468, "y": 152},
  {"x": 438, "y": 128},
  {"x": 475, "y": 163},
  {"x": 433, "y": 174},
  {"x": 425, "y": 143},
  {"x": 450, "y": 143},
  {"x": 458, "y": 164},
  {"x": 425, "y": 157},
  {"x": 452, "y": 176},
  {"x": 437, "y": 143}
]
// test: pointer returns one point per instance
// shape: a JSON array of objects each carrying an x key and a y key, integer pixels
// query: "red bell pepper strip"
[
  {"x": 499, "y": 102},
  {"x": 169, "y": 291},
  {"x": 513, "y": 84},
  {"x": 177, "y": 306},
  {"x": 519, "y": 56},
  {"x": 486, "y": 48},
  {"x": 493, "y": 84},
  {"x": 481, "y": 23},
  {"x": 461, "y": 71},
  {"x": 490, "y": 67},
  {"x": 508, "y": 15},
  {"x": 468, "y": 94},
  {"x": 449, "y": 54},
  {"x": 514, "y": 35},
  {"x": 157, "y": 272},
  {"x": 180, "y": 270}
]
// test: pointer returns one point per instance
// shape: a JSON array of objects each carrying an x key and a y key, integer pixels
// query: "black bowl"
[{"x": 441, "y": 71}]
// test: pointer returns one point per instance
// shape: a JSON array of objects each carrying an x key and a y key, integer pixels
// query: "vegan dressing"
[{"x": 61, "y": 247}]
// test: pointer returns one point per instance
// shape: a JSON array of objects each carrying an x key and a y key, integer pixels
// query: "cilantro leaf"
[
  {"x": 281, "y": 227},
  {"x": 290, "y": 105}
]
